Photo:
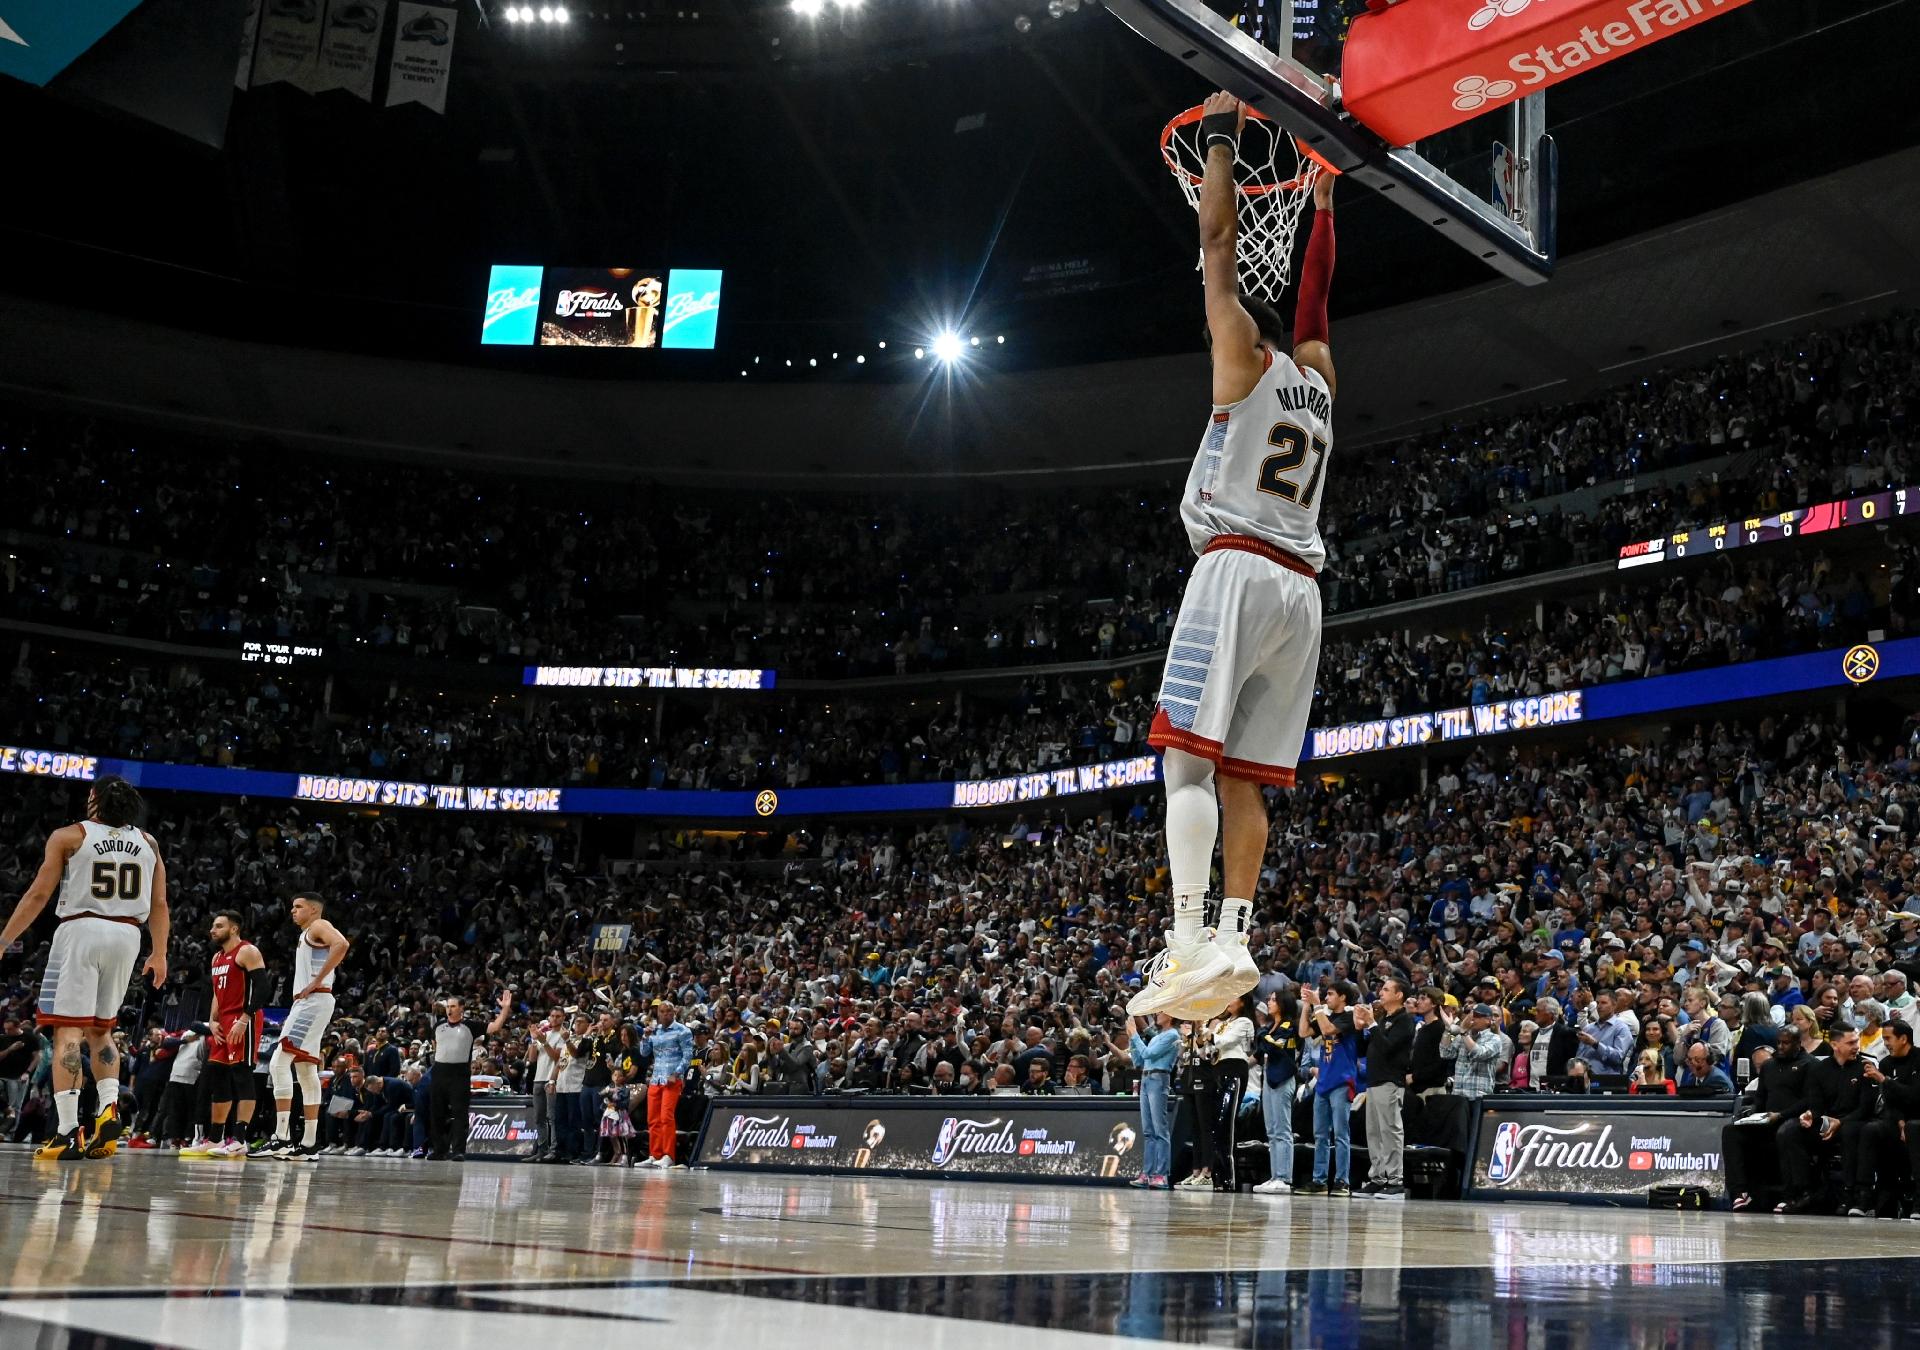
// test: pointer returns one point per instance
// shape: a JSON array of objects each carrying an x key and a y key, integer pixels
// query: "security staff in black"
[
  {"x": 1892, "y": 1138},
  {"x": 1783, "y": 1095},
  {"x": 452, "y": 1087}
]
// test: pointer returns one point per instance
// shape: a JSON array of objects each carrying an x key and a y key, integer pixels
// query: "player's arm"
[
  {"x": 1237, "y": 361},
  {"x": 337, "y": 945},
  {"x": 61, "y": 846},
  {"x": 159, "y": 919},
  {"x": 1310, "y": 349},
  {"x": 253, "y": 992}
]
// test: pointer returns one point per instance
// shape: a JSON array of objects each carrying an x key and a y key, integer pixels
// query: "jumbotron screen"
[{"x": 633, "y": 307}]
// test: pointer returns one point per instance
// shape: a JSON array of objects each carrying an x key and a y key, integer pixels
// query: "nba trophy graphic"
[
  {"x": 870, "y": 1140},
  {"x": 643, "y": 315}
]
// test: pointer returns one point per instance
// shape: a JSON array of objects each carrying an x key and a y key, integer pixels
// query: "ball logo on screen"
[
  {"x": 569, "y": 303},
  {"x": 1518, "y": 1149},
  {"x": 964, "y": 1138},
  {"x": 757, "y": 1132}
]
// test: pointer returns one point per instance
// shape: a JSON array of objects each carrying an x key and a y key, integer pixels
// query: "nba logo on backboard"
[{"x": 1506, "y": 1147}]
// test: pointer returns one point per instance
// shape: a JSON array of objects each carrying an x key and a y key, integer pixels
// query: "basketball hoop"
[{"x": 1273, "y": 177}]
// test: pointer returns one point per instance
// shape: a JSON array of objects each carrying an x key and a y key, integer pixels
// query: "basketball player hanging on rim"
[
  {"x": 110, "y": 881},
  {"x": 1240, "y": 672},
  {"x": 240, "y": 988},
  {"x": 316, "y": 955}
]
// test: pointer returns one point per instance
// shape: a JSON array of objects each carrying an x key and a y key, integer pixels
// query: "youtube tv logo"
[{"x": 1640, "y": 1161}]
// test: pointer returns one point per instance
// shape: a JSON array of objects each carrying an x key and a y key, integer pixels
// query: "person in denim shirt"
[{"x": 1155, "y": 1060}]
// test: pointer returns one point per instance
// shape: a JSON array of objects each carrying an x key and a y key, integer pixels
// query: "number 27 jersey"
[{"x": 1261, "y": 470}]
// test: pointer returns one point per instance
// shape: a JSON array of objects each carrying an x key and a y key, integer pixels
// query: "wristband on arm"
[{"x": 1223, "y": 127}]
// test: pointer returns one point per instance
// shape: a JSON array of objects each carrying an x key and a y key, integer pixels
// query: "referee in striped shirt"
[{"x": 452, "y": 1089}]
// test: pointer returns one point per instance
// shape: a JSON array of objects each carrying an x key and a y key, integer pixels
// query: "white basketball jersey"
[
  {"x": 111, "y": 874},
  {"x": 307, "y": 960},
  {"x": 1262, "y": 465}
]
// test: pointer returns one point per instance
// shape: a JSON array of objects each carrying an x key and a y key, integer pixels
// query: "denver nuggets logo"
[
  {"x": 767, "y": 802},
  {"x": 1860, "y": 664}
]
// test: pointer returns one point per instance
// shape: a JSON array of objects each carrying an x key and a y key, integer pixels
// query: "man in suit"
[{"x": 1554, "y": 1046}]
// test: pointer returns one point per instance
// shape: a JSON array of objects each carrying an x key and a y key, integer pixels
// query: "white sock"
[
  {"x": 1189, "y": 912},
  {"x": 66, "y": 1106},
  {"x": 1235, "y": 916},
  {"x": 313, "y": 1132},
  {"x": 283, "y": 1125},
  {"x": 109, "y": 1090}
]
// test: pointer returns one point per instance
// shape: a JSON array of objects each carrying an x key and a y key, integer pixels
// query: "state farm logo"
[
  {"x": 1496, "y": 9},
  {"x": 1476, "y": 91},
  {"x": 961, "y": 1138},
  {"x": 569, "y": 303},
  {"x": 757, "y": 1132}
]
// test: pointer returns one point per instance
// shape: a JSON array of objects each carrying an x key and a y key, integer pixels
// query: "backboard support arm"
[{"x": 1300, "y": 101}]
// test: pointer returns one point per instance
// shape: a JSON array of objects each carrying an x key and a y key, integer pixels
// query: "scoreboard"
[{"x": 1876, "y": 508}]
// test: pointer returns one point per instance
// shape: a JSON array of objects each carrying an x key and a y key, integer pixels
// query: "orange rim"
[{"x": 1193, "y": 115}]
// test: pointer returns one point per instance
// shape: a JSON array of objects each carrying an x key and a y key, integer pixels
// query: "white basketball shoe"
[{"x": 1181, "y": 979}]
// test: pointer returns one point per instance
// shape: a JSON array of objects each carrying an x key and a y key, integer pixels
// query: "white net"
[{"x": 1273, "y": 177}]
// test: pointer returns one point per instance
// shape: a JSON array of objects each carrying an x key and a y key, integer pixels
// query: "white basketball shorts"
[
  {"x": 1240, "y": 674},
  {"x": 306, "y": 1023},
  {"x": 87, "y": 973}
]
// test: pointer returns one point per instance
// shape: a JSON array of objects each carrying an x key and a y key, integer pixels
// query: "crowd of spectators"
[
  {"x": 1701, "y": 888},
  {"x": 1734, "y": 608},
  {"x": 131, "y": 533}
]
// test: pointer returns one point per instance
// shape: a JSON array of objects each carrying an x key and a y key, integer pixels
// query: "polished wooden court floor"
[{"x": 144, "y": 1250}]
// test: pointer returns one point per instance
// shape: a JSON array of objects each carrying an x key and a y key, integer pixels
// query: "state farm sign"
[{"x": 1425, "y": 65}]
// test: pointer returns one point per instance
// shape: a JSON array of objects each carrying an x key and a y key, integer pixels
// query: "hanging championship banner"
[
  {"x": 349, "y": 46},
  {"x": 249, "y": 34},
  {"x": 288, "y": 49},
  {"x": 422, "y": 56}
]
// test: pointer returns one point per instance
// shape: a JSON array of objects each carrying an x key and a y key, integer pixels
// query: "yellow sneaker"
[
  {"x": 67, "y": 1147},
  {"x": 106, "y": 1129}
]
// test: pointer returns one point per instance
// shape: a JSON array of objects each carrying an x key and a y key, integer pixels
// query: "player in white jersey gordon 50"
[
  {"x": 1246, "y": 647},
  {"x": 110, "y": 881}
]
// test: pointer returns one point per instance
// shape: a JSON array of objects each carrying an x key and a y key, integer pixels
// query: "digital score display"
[
  {"x": 637, "y": 308},
  {"x": 1876, "y": 508}
]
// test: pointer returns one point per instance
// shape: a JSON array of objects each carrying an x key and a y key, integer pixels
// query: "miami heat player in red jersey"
[{"x": 239, "y": 993}]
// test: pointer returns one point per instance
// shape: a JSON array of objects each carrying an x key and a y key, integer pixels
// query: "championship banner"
[
  {"x": 1043, "y": 1138},
  {"x": 1411, "y": 70},
  {"x": 422, "y": 56},
  {"x": 288, "y": 47},
  {"x": 349, "y": 46},
  {"x": 1611, "y": 1149},
  {"x": 249, "y": 36}
]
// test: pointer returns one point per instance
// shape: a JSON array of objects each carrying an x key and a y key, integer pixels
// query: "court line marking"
[{"x": 304, "y": 1225}]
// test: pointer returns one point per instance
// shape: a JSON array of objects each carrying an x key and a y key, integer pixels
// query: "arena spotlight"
[
  {"x": 973, "y": 342},
  {"x": 546, "y": 14},
  {"x": 808, "y": 9},
  {"x": 919, "y": 352},
  {"x": 560, "y": 14},
  {"x": 947, "y": 347},
  {"x": 1001, "y": 338}
]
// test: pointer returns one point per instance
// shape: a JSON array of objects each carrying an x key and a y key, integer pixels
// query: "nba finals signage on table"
[
  {"x": 1526, "y": 1151},
  {"x": 1412, "y": 70},
  {"x": 1086, "y": 1139}
]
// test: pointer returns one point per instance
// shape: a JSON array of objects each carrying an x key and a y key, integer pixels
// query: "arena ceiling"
[{"x": 865, "y": 176}]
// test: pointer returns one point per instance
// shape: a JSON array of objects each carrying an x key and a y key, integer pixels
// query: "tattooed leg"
[{"x": 66, "y": 1059}]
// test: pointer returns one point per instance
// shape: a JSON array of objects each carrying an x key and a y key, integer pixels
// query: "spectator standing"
[
  {"x": 452, "y": 1090},
  {"x": 1278, "y": 1050},
  {"x": 1607, "y": 1045},
  {"x": 1388, "y": 1031},
  {"x": 671, "y": 1046},
  {"x": 1474, "y": 1047},
  {"x": 1232, "y": 1053},
  {"x": 1155, "y": 1060},
  {"x": 1333, "y": 1088},
  {"x": 548, "y": 1048}
]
